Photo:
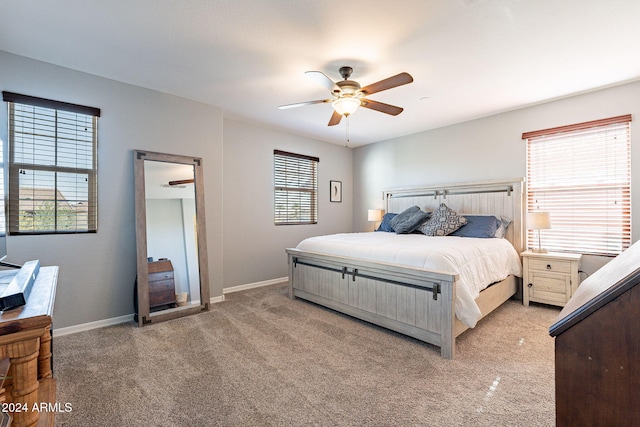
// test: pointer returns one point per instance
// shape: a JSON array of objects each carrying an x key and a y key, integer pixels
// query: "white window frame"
[{"x": 581, "y": 175}]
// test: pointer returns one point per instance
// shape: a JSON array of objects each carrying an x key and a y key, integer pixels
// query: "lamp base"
[{"x": 539, "y": 250}]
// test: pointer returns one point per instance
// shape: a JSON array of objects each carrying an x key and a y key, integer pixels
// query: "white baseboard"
[
  {"x": 58, "y": 332},
  {"x": 254, "y": 285},
  {"x": 214, "y": 300}
]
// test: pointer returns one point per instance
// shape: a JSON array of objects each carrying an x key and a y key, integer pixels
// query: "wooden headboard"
[{"x": 500, "y": 198}]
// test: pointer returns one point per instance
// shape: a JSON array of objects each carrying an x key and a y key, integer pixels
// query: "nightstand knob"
[
  {"x": 530, "y": 285},
  {"x": 548, "y": 266}
]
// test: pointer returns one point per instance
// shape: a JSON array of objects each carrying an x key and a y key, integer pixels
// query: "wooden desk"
[{"x": 25, "y": 338}]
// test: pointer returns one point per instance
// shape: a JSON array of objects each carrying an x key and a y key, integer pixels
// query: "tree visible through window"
[
  {"x": 581, "y": 174},
  {"x": 52, "y": 166},
  {"x": 295, "y": 188}
]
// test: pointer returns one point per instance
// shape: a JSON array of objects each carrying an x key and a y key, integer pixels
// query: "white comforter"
[{"x": 478, "y": 262}]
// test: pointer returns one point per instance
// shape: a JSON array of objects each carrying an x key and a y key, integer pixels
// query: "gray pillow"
[
  {"x": 443, "y": 221},
  {"x": 386, "y": 219},
  {"x": 408, "y": 220},
  {"x": 482, "y": 226},
  {"x": 504, "y": 224}
]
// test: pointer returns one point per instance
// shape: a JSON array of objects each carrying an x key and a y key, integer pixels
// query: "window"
[
  {"x": 296, "y": 188},
  {"x": 581, "y": 174},
  {"x": 52, "y": 166}
]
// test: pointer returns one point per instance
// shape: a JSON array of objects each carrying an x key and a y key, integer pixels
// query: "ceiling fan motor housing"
[{"x": 348, "y": 87}]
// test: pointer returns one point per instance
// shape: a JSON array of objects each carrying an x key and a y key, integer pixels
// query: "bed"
[{"x": 404, "y": 293}]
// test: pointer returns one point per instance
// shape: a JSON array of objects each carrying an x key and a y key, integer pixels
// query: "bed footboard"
[{"x": 412, "y": 301}]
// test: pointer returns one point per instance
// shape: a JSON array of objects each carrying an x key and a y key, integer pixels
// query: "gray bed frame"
[{"x": 413, "y": 301}]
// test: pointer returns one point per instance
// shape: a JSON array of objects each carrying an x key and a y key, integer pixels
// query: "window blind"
[
  {"x": 52, "y": 166},
  {"x": 295, "y": 188},
  {"x": 581, "y": 174}
]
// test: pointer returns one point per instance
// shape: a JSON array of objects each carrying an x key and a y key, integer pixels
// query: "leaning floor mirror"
[{"x": 173, "y": 277}]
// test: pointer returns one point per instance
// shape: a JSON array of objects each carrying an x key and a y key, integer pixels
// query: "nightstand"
[{"x": 549, "y": 277}]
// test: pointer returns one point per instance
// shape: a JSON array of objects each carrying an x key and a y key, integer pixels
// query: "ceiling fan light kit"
[
  {"x": 346, "y": 105},
  {"x": 348, "y": 95}
]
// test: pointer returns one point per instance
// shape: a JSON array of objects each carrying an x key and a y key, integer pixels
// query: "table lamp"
[
  {"x": 374, "y": 215},
  {"x": 539, "y": 221}
]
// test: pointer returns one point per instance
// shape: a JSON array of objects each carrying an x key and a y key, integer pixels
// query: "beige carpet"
[{"x": 261, "y": 359}]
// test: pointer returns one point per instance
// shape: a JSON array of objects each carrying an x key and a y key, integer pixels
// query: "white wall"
[
  {"x": 97, "y": 271},
  {"x": 485, "y": 149},
  {"x": 253, "y": 245}
]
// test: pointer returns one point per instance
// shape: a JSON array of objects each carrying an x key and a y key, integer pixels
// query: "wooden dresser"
[
  {"x": 597, "y": 343},
  {"x": 162, "y": 290},
  {"x": 25, "y": 338}
]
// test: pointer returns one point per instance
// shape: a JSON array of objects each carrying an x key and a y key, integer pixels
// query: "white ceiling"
[{"x": 468, "y": 58}]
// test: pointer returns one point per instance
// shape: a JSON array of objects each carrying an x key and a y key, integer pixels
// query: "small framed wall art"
[{"x": 335, "y": 194}]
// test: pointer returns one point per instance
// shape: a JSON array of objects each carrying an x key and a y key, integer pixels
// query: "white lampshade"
[
  {"x": 374, "y": 215},
  {"x": 346, "y": 105},
  {"x": 538, "y": 220}
]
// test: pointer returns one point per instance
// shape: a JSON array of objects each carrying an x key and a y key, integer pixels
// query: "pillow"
[
  {"x": 408, "y": 220},
  {"x": 502, "y": 229},
  {"x": 483, "y": 226},
  {"x": 385, "y": 225},
  {"x": 443, "y": 221}
]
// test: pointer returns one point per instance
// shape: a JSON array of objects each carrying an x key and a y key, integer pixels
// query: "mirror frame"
[{"x": 143, "y": 313}]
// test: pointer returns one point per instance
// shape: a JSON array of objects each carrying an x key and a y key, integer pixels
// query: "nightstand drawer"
[{"x": 551, "y": 265}]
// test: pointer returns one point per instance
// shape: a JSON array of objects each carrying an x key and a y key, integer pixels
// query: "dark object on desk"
[
  {"x": 597, "y": 347},
  {"x": 17, "y": 292}
]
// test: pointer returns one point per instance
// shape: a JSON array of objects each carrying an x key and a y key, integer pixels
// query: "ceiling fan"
[
  {"x": 347, "y": 95},
  {"x": 182, "y": 181}
]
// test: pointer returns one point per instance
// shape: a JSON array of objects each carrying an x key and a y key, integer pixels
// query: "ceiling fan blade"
[
  {"x": 391, "y": 82},
  {"x": 335, "y": 118},
  {"x": 181, "y": 182},
  {"x": 300, "y": 104},
  {"x": 323, "y": 80},
  {"x": 382, "y": 107}
]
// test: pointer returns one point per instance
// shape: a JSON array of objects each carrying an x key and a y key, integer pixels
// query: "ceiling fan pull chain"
[{"x": 347, "y": 144}]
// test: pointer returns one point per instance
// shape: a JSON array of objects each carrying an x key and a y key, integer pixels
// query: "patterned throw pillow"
[{"x": 443, "y": 221}]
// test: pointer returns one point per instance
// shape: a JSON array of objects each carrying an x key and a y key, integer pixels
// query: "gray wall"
[
  {"x": 253, "y": 245},
  {"x": 486, "y": 149},
  {"x": 97, "y": 271}
]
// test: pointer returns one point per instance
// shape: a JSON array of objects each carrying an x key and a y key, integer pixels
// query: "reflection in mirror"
[
  {"x": 171, "y": 235},
  {"x": 172, "y": 270}
]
